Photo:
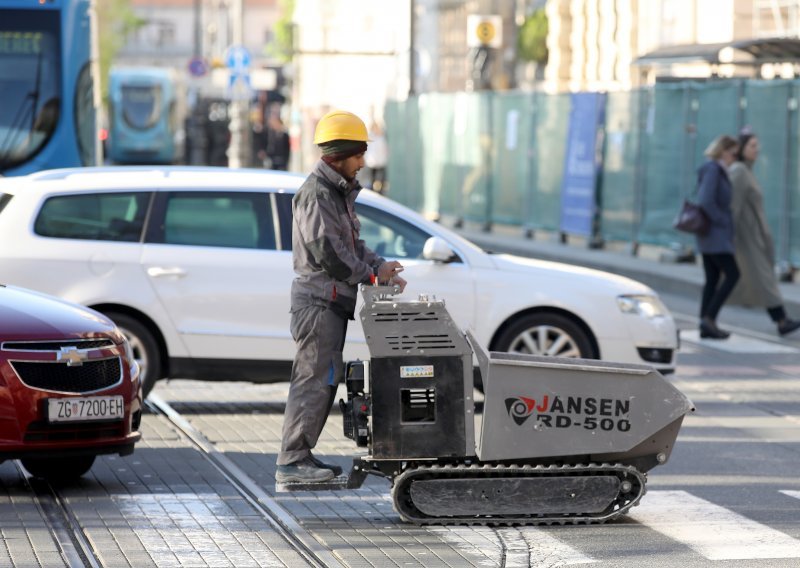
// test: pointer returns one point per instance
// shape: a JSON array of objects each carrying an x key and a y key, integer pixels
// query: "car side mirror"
[{"x": 437, "y": 249}]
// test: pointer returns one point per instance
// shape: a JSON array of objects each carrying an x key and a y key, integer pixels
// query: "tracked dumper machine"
[{"x": 560, "y": 440}]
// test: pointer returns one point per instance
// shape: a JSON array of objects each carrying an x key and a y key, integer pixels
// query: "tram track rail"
[
  {"x": 66, "y": 530},
  {"x": 284, "y": 524},
  {"x": 514, "y": 549}
]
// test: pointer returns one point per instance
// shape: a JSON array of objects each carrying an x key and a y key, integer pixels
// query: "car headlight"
[
  {"x": 126, "y": 345},
  {"x": 646, "y": 306}
]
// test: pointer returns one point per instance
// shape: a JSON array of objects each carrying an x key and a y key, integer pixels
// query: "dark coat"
[
  {"x": 714, "y": 196},
  {"x": 755, "y": 251}
]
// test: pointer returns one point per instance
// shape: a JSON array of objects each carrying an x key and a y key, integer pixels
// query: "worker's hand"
[
  {"x": 389, "y": 270},
  {"x": 397, "y": 281}
]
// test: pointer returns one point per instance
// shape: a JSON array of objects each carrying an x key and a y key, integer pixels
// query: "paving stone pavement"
[
  {"x": 360, "y": 526},
  {"x": 168, "y": 505}
]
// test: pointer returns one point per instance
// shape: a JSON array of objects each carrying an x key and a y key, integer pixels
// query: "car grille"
[
  {"x": 89, "y": 377},
  {"x": 43, "y": 432}
]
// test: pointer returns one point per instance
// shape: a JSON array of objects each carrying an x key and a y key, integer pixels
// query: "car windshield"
[
  {"x": 140, "y": 105},
  {"x": 30, "y": 77}
]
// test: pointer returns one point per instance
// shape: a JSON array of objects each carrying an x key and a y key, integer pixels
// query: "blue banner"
[{"x": 582, "y": 163}]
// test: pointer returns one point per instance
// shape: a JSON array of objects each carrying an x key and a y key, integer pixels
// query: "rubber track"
[{"x": 401, "y": 492}]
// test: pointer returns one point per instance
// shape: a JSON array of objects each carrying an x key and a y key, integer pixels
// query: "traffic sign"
[
  {"x": 484, "y": 31},
  {"x": 198, "y": 67},
  {"x": 237, "y": 60}
]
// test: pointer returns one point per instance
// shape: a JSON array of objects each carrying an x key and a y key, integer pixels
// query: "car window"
[
  {"x": 283, "y": 204},
  {"x": 388, "y": 235},
  {"x": 98, "y": 216},
  {"x": 218, "y": 219}
]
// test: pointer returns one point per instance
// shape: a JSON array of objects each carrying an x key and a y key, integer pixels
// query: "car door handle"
[{"x": 160, "y": 271}]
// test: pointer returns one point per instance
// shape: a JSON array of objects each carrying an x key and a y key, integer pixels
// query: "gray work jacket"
[{"x": 329, "y": 257}]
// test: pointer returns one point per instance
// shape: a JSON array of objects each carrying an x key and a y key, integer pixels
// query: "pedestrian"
[
  {"x": 376, "y": 158},
  {"x": 277, "y": 147},
  {"x": 716, "y": 245},
  {"x": 330, "y": 261},
  {"x": 755, "y": 251}
]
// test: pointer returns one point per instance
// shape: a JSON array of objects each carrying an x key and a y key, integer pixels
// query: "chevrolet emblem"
[{"x": 72, "y": 356}]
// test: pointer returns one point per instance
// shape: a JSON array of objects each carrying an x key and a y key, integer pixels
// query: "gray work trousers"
[{"x": 317, "y": 369}]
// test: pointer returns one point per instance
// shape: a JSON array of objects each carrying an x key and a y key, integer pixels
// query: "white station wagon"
[{"x": 195, "y": 266}]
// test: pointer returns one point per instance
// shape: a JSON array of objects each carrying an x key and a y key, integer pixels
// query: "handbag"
[{"x": 691, "y": 219}]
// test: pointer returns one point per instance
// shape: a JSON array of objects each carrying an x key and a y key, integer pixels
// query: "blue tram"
[
  {"x": 47, "y": 80},
  {"x": 142, "y": 116}
]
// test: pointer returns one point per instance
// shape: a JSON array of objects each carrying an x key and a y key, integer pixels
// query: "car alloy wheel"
[{"x": 546, "y": 335}]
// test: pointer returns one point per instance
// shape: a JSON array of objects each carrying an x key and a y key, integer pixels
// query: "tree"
[
  {"x": 532, "y": 38},
  {"x": 283, "y": 47},
  {"x": 115, "y": 21}
]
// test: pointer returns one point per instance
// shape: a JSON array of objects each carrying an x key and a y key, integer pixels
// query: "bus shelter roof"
[{"x": 745, "y": 52}]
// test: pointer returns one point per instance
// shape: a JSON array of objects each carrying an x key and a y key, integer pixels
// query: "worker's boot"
[
  {"x": 334, "y": 468},
  {"x": 303, "y": 471}
]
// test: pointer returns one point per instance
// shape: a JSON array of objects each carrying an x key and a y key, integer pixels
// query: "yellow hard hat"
[{"x": 340, "y": 125}]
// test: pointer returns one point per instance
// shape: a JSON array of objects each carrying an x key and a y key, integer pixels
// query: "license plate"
[{"x": 85, "y": 408}]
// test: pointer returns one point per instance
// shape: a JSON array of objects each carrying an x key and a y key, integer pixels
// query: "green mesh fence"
[
  {"x": 768, "y": 115},
  {"x": 789, "y": 240},
  {"x": 620, "y": 177},
  {"x": 499, "y": 157},
  {"x": 664, "y": 156},
  {"x": 511, "y": 158},
  {"x": 473, "y": 141},
  {"x": 403, "y": 169},
  {"x": 715, "y": 110},
  {"x": 549, "y": 149}
]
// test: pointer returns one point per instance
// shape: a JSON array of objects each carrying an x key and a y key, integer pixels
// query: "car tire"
[
  {"x": 58, "y": 469},
  {"x": 145, "y": 349},
  {"x": 546, "y": 334}
]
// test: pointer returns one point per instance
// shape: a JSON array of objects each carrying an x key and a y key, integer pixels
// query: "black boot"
[
  {"x": 787, "y": 326},
  {"x": 709, "y": 330}
]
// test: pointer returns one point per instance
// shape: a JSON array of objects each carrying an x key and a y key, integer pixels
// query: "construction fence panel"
[
  {"x": 789, "y": 249},
  {"x": 436, "y": 117},
  {"x": 620, "y": 177},
  {"x": 550, "y": 130},
  {"x": 511, "y": 158},
  {"x": 474, "y": 136},
  {"x": 499, "y": 157},
  {"x": 663, "y": 153},
  {"x": 403, "y": 168},
  {"x": 769, "y": 116}
]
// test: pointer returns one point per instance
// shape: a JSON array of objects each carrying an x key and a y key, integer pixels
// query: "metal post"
[
  {"x": 784, "y": 268},
  {"x": 239, "y": 150},
  {"x": 412, "y": 62},
  {"x": 198, "y": 28}
]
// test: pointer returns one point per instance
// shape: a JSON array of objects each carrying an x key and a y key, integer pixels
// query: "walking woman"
[
  {"x": 714, "y": 196},
  {"x": 755, "y": 251}
]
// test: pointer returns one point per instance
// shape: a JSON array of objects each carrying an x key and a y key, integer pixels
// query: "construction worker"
[{"x": 330, "y": 261}]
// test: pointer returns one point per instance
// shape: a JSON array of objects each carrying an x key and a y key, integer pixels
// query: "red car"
[{"x": 69, "y": 385}]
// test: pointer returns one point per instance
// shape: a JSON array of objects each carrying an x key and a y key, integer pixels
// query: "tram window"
[{"x": 30, "y": 83}]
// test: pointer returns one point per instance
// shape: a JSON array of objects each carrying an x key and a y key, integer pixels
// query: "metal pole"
[
  {"x": 198, "y": 28},
  {"x": 412, "y": 62},
  {"x": 239, "y": 150}
]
